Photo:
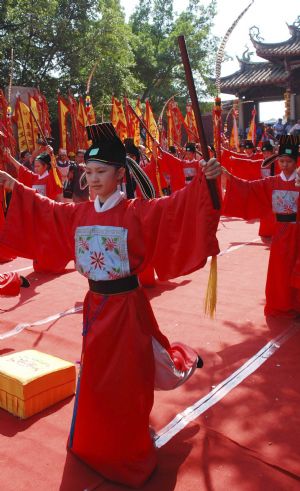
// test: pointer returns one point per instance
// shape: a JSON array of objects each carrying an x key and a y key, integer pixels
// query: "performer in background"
[
  {"x": 190, "y": 162},
  {"x": 268, "y": 222},
  {"x": 254, "y": 199},
  {"x": 42, "y": 179},
  {"x": 124, "y": 354}
]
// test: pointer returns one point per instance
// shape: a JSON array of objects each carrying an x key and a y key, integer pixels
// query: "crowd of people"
[{"x": 273, "y": 132}]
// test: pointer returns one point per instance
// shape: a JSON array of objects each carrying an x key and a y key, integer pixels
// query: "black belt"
[
  {"x": 290, "y": 217},
  {"x": 111, "y": 287}
]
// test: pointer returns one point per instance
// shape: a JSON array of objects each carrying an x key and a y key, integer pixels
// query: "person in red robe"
[
  {"x": 11, "y": 283},
  {"x": 268, "y": 222},
  {"x": 190, "y": 162},
  {"x": 124, "y": 353},
  {"x": 253, "y": 199},
  {"x": 5, "y": 254},
  {"x": 42, "y": 181}
]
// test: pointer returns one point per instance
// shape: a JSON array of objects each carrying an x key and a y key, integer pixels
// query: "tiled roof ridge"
[{"x": 261, "y": 45}]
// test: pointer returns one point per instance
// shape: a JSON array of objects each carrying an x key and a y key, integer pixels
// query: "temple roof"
[
  {"x": 289, "y": 48},
  {"x": 250, "y": 73}
]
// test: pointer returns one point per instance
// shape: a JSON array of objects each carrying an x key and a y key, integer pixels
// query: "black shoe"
[
  {"x": 199, "y": 362},
  {"x": 24, "y": 282}
]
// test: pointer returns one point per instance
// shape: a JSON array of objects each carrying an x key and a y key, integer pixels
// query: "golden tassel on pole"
[{"x": 210, "y": 302}]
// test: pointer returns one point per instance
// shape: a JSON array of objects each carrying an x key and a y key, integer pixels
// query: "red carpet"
[{"x": 249, "y": 441}]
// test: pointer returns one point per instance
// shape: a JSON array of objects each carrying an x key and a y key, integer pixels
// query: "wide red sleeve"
[
  {"x": 248, "y": 199},
  {"x": 39, "y": 228},
  {"x": 172, "y": 166},
  {"x": 53, "y": 189},
  {"x": 180, "y": 230},
  {"x": 245, "y": 168},
  {"x": 26, "y": 177}
]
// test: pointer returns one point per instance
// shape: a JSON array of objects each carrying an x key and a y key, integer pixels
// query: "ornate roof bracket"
[{"x": 254, "y": 34}]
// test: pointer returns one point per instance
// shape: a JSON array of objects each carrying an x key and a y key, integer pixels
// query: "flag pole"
[{"x": 196, "y": 108}]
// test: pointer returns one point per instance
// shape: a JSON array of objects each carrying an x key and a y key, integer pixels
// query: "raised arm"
[
  {"x": 11, "y": 159},
  {"x": 36, "y": 227},
  {"x": 180, "y": 230}
]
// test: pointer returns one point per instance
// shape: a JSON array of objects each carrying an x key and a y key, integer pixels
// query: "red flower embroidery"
[
  {"x": 110, "y": 244},
  {"x": 97, "y": 260},
  {"x": 83, "y": 244},
  {"x": 114, "y": 274}
]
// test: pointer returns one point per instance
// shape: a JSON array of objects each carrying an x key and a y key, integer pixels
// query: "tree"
[
  {"x": 57, "y": 42},
  {"x": 158, "y": 62}
]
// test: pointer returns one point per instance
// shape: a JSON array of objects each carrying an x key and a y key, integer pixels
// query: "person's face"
[
  {"x": 190, "y": 155},
  {"x": 267, "y": 153},
  {"x": 133, "y": 157},
  {"x": 62, "y": 157},
  {"x": 79, "y": 158},
  {"x": 103, "y": 179},
  {"x": 39, "y": 167},
  {"x": 249, "y": 151},
  {"x": 287, "y": 165},
  {"x": 26, "y": 157}
]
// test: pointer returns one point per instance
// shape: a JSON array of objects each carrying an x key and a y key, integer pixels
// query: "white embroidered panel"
[
  {"x": 40, "y": 188},
  {"x": 284, "y": 201},
  {"x": 101, "y": 252}
]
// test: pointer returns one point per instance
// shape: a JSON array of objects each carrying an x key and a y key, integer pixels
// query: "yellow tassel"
[
  {"x": 55, "y": 174},
  {"x": 56, "y": 177},
  {"x": 211, "y": 291}
]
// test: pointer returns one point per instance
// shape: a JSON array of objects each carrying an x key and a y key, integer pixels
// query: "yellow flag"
[
  {"x": 33, "y": 104},
  {"x": 63, "y": 110},
  {"x": 151, "y": 126},
  {"x": 22, "y": 117},
  {"x": 118, "y": 118},
  {"x": 252, "y": 129}
]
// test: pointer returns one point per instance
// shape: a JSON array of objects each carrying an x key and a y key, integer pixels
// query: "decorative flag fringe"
[{"x": 210, "y": 302}]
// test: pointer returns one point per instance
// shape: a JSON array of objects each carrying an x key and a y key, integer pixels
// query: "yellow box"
[{"x": 31, "y": 381}]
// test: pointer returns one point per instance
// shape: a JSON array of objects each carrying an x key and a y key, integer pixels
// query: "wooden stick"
[{"x": 196, "y": 108}]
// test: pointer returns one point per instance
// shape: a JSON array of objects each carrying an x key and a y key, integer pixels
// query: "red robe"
[
  {"x": 267, "y": 223},
  {"x": 45, "y": 186},
  {"x": 246, "y": 168},
  {"x": 5, "y": 254},
  {"x": 254, "y": 199},
  {"x": 10, "y": 284},
  {"x": 114, "y": 396},
  {"x": 172, "y": 167}
]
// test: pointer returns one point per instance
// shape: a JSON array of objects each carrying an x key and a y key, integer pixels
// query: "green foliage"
[
  {"x": 158, "y": 60},
  {"x": 58, "y": 42}
]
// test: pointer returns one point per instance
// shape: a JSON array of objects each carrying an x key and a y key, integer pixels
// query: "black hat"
[
  {"x": 131, "y": 149},
  {"x": 106, "y": 145},
  {"x": 289, "y": 146},
  {"x": 267, "y": 146},
  {"x": 107, "y": 148},
  {"x": 249, "y": 144},
  {"x": 190, "y": 147},
  {"x": 44, "y": 157}
]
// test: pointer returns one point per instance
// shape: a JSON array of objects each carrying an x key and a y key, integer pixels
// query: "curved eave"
[
  {"x": 290, "y": 47},
  {"x": 258, "y": 74}
]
